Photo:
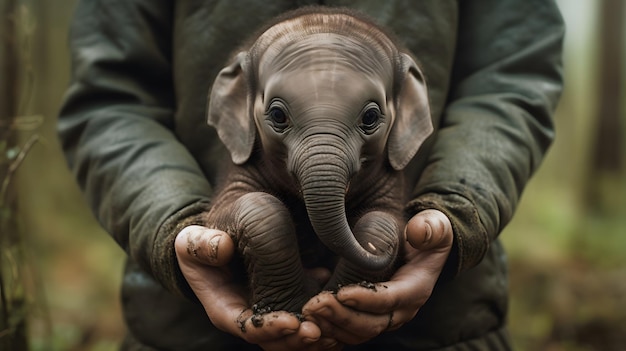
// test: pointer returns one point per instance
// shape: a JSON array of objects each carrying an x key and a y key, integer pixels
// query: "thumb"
[
  {"x": 204, "y": 246},
  {"x": 429, "y": 229}
]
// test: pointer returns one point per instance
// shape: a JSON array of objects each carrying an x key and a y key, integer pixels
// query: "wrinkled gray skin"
[{"x": 320, "y": 115}]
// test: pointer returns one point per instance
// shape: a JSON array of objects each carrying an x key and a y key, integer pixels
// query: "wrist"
[{"x": 164, "y": 261}]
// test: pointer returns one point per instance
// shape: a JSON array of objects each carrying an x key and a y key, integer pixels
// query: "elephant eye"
[
  {"x": 278, "y": 118},
  {"x": 371, "y": 119}
]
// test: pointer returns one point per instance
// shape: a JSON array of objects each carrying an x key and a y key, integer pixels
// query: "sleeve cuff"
[
  {"x": 471, "y": 241},
  {"x": 164, "y": 263}
]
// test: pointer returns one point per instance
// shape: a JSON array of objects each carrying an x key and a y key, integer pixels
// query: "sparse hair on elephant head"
[
  {"x": 231, "y": 103},
  {"x": 326, "y": 98}
]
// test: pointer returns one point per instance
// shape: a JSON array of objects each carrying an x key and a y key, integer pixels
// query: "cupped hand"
[
  {"x": 356, "y": 314},
  {"x": 203, "y": 255}
]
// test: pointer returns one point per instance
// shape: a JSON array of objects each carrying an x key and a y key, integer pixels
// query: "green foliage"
[
  {"x": 567, "y": 268},
  {"x": 17, "y": 26}
]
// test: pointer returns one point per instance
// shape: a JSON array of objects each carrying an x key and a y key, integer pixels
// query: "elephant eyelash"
[
  {"x": 277, "y": 116},
  {"x": 371, "y": 118}
]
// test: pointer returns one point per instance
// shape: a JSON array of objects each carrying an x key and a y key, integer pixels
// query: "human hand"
[
  {"x": 356, "y": 314},
  {"x": 203, "y": 255}
]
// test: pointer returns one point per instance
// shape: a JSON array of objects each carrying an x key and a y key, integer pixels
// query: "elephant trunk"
[{"x": 324, "y": 173}]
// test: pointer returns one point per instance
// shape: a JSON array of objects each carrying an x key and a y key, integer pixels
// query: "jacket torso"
[
  {"x": 134, "y": 132},
  {"x": 205, "y": 35}
]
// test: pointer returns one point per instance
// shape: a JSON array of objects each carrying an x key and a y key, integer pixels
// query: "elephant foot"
[
  {"x": 367, "y": 285},
  {"x": 259, "y": 311},
  {"x": 347, "y": 273},
  {"x": 269, "y": 246},
  {"x": 269, "y": 300}
]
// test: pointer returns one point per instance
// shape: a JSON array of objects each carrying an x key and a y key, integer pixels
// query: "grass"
[{"x": 567, "y": 268}]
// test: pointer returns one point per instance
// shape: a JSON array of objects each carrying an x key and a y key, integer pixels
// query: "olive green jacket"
[{"x": 134, "y": 132}]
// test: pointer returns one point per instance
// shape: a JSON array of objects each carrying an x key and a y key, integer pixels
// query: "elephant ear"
[
  {"x": 229, "y": 110},
  {"x": 413, "y": 123}
]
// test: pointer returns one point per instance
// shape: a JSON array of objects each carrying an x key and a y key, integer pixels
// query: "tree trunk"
[
  {"x": 13, "y": 331},
  {"x": 604, "y": 187}
]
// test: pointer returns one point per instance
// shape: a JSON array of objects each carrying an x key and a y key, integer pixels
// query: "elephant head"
[{"x": 332, "y": 96}]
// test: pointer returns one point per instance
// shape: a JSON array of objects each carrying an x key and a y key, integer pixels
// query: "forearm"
[
  {"x": 116, "y": 130},
  {"x": 498, "y": 123}
]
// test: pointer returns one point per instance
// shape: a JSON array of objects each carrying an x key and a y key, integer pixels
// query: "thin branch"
[
  {"x": 5, "y": 307},
  {"x": 5, "y": 332},
  {"x": 15, "y": 165}
]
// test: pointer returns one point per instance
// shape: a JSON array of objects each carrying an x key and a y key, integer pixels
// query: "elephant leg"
[
  {"x": 375, "y": 229},
  {"x": 268, "y": 244}
]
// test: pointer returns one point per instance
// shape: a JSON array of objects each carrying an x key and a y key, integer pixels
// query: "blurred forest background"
[{"x": 60, "y": 273}]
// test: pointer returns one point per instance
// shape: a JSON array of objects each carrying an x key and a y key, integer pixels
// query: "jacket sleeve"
[
  {"x": 116, "y": 129},
  {"x": 497, "y": 124}
]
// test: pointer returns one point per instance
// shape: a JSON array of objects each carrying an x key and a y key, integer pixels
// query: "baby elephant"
[{"x": 320, "y": 114}]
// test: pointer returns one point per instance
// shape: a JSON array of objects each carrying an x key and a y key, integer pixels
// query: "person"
[{"x": 133, "y": 129}]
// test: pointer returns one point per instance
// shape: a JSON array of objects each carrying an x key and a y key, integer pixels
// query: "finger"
[
  {"x": 224, "y": 301},
  {"x": 232, "y": 316},
  {"x": 357, "y": 313},
  {"x": 408, "y": 289},
  {"x": 274, "y": 328},
  {"x": 429, "y": 238},
  {"x": 308, "y": 337},
  {"x": 227, "y": 307},
  {"x": 324, "y": 344},
  {"x": 342, "y": 323},
  {"x": 205, "y": 246},
  {"x": 428, "y": 230},
  {"x": 200, "y": 252},
  {"x": 396, "y": 302},
  {"x": 328, "y": 344}
]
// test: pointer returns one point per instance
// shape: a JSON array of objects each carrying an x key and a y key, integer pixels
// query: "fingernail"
[
  {"x": 328, "y": 343},
  {"x": 349, "y": 302},
  {"x": 321, "y": 310},
  {"x": 309, "y": 340},
  {"x": 429, "y": 234},
  {"x": 289, "y": 331},
  {"x": 214, "y": 243}
]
